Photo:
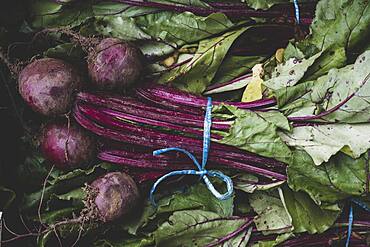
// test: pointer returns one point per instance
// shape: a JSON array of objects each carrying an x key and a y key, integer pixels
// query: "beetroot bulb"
[
  {"x": 107, "y": 198},
  {"x": 67, "y": 146},
  {"x": 48, "y": 86},
  {"x": 114, "y": 64},
  {"x": 114, "y": 195}
]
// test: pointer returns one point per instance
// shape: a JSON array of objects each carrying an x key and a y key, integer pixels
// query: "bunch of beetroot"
[{"x": 49, "y": 87}]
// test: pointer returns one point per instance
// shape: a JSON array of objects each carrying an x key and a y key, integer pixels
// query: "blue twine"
[
  {"x": 350, "y": 223},
  {"x": 361, "y": 204},
  {"x": 296, "y": 10},
  {"x": 350, "y": 217},
  {"x": 202, "y": 172}
]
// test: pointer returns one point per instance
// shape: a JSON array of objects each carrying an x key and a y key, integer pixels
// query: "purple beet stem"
[{"x": 164, "y": 95}]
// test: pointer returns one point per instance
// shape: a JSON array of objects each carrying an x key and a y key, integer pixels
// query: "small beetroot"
[
  {"x": 48, "y": 86},
  {"x": 114, "y": 64},
  {"x": 67, "y": 146},
  {"x": 116, "y": 194}
]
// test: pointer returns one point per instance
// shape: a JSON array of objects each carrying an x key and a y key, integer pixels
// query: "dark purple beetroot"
[
  {"x": 114, "y": 64},
  {"x": 67, "y": 147},
  {"x": 48, "y": 86},
  {"x": 116, "y": 195}
]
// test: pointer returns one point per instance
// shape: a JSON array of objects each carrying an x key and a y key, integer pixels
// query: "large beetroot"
[
  {"x": 114, "y": 195},
  {"x": 48, "y": 86},
  {"x": 67, "y": 145},
  {"x": 114, "y": 64}
]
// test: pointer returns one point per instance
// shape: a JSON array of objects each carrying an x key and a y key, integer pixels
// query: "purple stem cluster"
[
  {"x": 233, "y": 10},
  {"x": 169, "y": 97},
  {"x": 131, "y": 121}
]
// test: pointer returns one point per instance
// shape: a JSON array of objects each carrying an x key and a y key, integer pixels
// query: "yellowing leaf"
[
  {"x": 347, "y": 150},
  {"x": 169, "y": 61},
  {"x": 279, "y": 55},
  {"x": 253, "y": 91}
]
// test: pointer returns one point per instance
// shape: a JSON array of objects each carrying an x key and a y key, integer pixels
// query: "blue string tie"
[
  {"x": 350, "y": 223},
  {"x": 296, "y": 11},
  {"x": 202, "y": 172},
  {"x": 350, "y": 217}
]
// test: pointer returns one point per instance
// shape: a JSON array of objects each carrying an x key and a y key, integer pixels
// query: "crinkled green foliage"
[
  {"x": 196, "y": 227},
  {"x": 337, "y": 179},
  {"x": 196, "y": 197},
  {"x": 306, "y": 215},
  {"x": 205, "y": 62},
  {"x": 290, "y": 73},
  {"x": 332, "y": 89},
  {"x": 257, "y": 132},
  {"x": 272, "y": 215},
  {"x": 249, "y": 183},
  {"x": 235, "y": 66},
  {"x": 323, "y": 141},
  {"x": 338, "y": 23}
]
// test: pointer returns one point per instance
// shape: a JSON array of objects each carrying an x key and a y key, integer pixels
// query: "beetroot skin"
[
  {"x": 48, "y": 86},
  {"x": 116, "y": 195},
  {"x": 114, "y": 64},
  {"x": 67, "y": 148}
]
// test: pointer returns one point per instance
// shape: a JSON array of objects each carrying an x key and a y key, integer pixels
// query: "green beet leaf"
[
  {"x": 290, "y": 73},
  {"x": 197, "y": 74},
  {"x": 339, "y": 23},
  {"x": 198, "y": 228},
  {"x": 196, "y": 197},
  {"x": 182, "y": 28},
  {"x": 48, "y": 14},
  {"x": 323, "y": 141},
  {"x": 257, "y": 132},
  {"x": 272, "y": 215},
  {"x": 349, "y": 83},
  {"x": 306, "y": 215},
  {"x": 337, "y": 179}
]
